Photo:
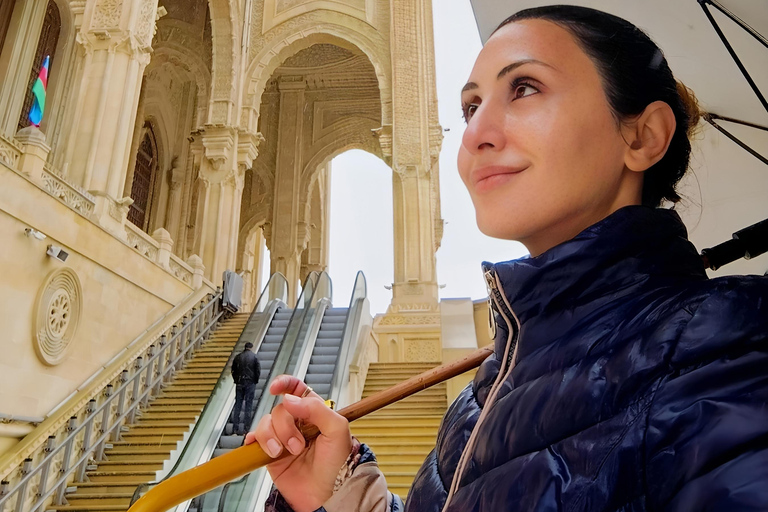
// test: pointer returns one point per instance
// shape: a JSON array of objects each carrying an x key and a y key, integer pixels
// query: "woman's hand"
[{"x": 306, "y": 477}]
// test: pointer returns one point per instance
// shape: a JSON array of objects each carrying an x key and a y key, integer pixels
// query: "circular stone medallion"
[{"x": 57, "y": 314}]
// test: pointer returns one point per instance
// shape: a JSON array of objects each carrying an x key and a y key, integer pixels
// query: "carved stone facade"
[{"x": 244, "y": 105}]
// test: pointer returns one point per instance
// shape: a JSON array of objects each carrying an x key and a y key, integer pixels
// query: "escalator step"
[
  {"x": 230, "y": 442},
  {"x": 320, "y": 368},
  {"x": 329, "y": 335},
  {"x": 322, "y": 389},
  {"x": 323, "y": 359},
  {"x": 325, "y": 351},
  {"x": 324, "y": 342}
]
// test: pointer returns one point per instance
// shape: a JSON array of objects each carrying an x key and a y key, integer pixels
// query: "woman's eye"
[
  {"x": 523, "y": 90},
  {"x": 469, "y": 111}
]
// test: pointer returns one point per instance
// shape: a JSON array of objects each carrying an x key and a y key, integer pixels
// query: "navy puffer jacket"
[{"x": 636, "y": 383}]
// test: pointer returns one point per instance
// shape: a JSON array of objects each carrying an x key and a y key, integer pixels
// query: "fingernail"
[
  {"x": 294, "y": 446},
  {"x": 291, "y": 399},
  {"x": 273, "y": 447}
]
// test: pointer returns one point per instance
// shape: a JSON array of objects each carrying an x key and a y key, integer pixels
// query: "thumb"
[{"x": 314, "y": 411}]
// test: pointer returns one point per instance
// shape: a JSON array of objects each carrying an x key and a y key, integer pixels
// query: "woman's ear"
[{"x": 648, "y": 136}]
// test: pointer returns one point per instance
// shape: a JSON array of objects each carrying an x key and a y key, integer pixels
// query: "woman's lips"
[{"x": 488, "y": 178}]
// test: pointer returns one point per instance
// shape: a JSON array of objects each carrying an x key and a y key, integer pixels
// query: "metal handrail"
[
  {"x": 321, "y": 289},
  {"x": 182, "y": 343},
  {"x": 348, "y": 345},
  {"x": 272, "y": 297}
]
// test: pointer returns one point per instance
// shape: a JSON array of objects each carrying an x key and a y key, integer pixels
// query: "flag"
[{"x": 38, "y": 93}]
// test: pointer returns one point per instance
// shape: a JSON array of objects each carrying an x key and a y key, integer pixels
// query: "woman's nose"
[{"x": 485, "y": 130}]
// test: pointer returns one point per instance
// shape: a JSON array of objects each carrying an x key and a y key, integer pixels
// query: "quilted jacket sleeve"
[
  {"x": 707, "y": 436},
  {"x": 364, "y": 491}
]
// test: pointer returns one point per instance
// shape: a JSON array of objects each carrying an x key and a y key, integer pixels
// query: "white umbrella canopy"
[{"x": 699, "y": 58}]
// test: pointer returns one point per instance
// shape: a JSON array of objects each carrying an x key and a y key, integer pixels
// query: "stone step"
[
  {"x": 131, "y": 465},
  {"x": 137, "y": 477},
  {"x": 151, "y": 439},
  {"x": 118, "y": 498}
]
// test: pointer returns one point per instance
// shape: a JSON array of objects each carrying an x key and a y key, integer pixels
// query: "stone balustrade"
[{"x": 27, "y": 154}]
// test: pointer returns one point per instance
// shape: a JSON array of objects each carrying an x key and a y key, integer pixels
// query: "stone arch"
[
  {"x": 271, "y": 57},
  {"x": 192, "y": 66},
  {"x": 346, "y": 138},
  {"x": 225, "y": 35}
]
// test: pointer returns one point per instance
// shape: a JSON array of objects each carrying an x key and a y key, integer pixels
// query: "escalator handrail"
[
  {"x": 348, "y": 345},
  {"x": 271, "y": 308},
  {"x": 321, "y": 301}
]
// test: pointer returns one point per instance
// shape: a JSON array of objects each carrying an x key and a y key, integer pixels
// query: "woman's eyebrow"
[
  {"x": 472, "y": 85},
  {"x": 519, "y": 63}
]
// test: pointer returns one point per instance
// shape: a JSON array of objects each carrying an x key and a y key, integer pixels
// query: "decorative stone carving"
[
  {"x": 106, "y": 14},
  {"x": 145, "y": 247},
  {"x": 410, "y": 320},
  {"x": 74, "y": 197},
  {"x": 180, "y": 270},
  {"x": 145, "y": 27},
  {"x": 422, "y": 350},
  {"x": 57, "y": 315},
  {"x": 10, "y": 152}
]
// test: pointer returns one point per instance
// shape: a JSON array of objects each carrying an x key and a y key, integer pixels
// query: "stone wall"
[{"x": 103, "y": 296}]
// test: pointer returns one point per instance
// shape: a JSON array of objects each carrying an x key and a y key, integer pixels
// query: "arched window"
[
  {"x": 46, "y": 46},
  {"x": 143, "y": 180},
  {"x": 6, "y": 10}
]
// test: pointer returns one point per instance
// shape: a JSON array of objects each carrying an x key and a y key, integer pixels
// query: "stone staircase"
[
  {"x": 402, "y": 434},
  {"x": 148, "y": 443}
]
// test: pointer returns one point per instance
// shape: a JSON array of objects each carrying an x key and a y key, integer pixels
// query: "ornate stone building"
[{"x": 180, "y": 138}]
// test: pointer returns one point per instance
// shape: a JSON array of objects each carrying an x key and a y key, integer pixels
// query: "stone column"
[
  {"x": 288, "y": 239},
  {"x": 173, "y": 218},
  {"x": 116, "y": 38},
  {"x": 413, "y": 157},
  {"x": 227, "y": 153},
  {"x": 410, "y": 330}
]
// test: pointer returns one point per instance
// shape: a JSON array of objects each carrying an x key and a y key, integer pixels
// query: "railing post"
[
  {"x": 175, "y": 343},
  {"x": 58, "y": 497},
  {"x": 3, "y": 492},
  {"x": 105, "y": 417},
  {"x": 21, "y": 495},
  {"x": 42, "y": 486},
  {"x": 161, "y": 366},
  {"x": 120, "y": 405},
  {"x": 135, "y": 393},
  {"x": 148, "y": 386},
  {"x": 88, "y": 431},
  {"x": 184, "y": 340}
]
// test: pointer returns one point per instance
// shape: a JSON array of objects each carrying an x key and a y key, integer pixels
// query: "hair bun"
[{"x": 691, "y": 106}]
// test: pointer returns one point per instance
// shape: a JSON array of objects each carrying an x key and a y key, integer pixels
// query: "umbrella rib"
[
  {"x": 752, "y": 84},
  {"x": 711, "y": 120},
  {"x": 740, "y": 22}
]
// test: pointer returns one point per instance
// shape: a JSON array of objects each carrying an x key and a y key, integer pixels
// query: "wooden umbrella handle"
[{"x": 220, "y": 470}]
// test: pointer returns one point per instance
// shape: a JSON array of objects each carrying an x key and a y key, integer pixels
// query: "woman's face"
[{"x": 542, "y": 155}]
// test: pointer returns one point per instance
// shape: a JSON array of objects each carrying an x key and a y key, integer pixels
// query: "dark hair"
[
  {"x": 634, "y": 74},
  {"x": 248, "y": 345}
]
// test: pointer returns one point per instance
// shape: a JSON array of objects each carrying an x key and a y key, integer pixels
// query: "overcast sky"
[{"x": 361, "y": 190}]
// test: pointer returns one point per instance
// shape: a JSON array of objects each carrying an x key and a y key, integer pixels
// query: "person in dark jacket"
[
  {"x": 623, "y": 379},
  {"x": 245, "y": 372}
]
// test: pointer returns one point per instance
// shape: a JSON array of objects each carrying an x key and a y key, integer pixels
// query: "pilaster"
[
  {"x": 410, "y": 329},
  {"x": 288, "y": 238},
  {"x": 115, "y": 38},
  {"x": 226, "y": 156}
]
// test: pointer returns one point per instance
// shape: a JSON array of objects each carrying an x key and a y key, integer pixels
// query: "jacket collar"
[{"x": 634, "y": 245}]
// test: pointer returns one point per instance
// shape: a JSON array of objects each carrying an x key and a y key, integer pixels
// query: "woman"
[{"x": 622, "y": 379}]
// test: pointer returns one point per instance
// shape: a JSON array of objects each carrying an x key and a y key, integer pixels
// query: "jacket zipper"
[{"x": 499, "y": 303}]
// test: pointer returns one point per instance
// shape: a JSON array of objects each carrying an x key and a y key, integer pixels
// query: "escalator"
[
  {"x": 266, "y": 355},
  {"x": 326, "y": 353},
  {"x": 313, "y": 341}
]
